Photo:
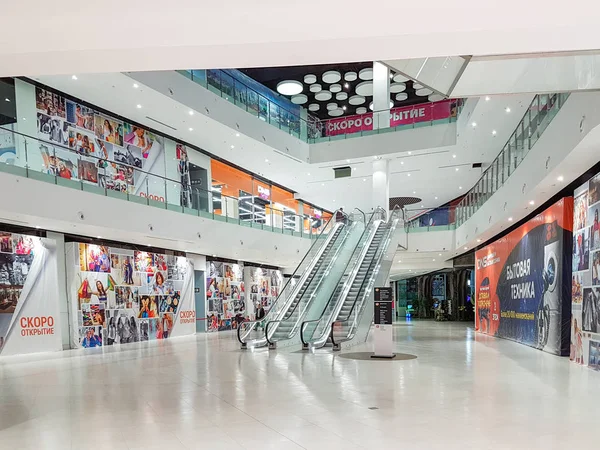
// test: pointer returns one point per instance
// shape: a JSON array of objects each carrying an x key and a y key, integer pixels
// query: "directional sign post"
[{"x": 384, "y": 303}]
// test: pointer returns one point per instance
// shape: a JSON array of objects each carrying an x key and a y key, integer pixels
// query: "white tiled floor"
[{"x": 464, "y": 391}]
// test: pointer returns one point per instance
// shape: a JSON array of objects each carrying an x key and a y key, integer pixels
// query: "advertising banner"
[
  {"x": 398, "y": 116},
  {"x": 29, "y": 311},
  {"x": 585, "y": 288},
  {"x": 522, "y": 281}
]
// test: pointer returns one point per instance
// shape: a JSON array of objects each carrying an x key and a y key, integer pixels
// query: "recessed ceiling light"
[
  {"x": 399, "y": 260},
  {"x": 460, "y": 187},
  {"x": 139, "y": 106},
  {"x": 24, "y": 118},
  {"x": 408, "y": 174},
  {"x": 191, "y": 129},
  {"x": 354, "y": 168},
  {"x": 422, "y": 206},
  {"x": 401, "y": 163},
  {"x": 474, "y": 124},
  {"x": 73, "y": 77},
  {"x": 346, "y": 85},
  {"x": 135, "y": 85},
  {"x": 308, "y": 174},
  {"x": 190, "y": 112},
  {"x": 364, "y": 179},
  {"x": 433, "y": 259},
  {"x": 456, "y": 169},
  {"x": 436, "y": 198},
  {"x": 478, "y": 240},
  {"x": 214, "y": 256},
  {"x": 347, "y": 160},
  {"x": 410, "y": 153},
  {"x": 507, "y": 109},
  {"x": 493, "y": 132},
  {"x": 439, "y": 254},
  {"x": 487, "y": 98},
  {"x": 333, "y": 201},
  {"x": 98, "y": 237},
  {"x": 560, "y": 178},
  {"x": 454, "y": 156},
  {"x": 233, "y": 146},
  {"x": 510, "y": 219},
  {"x": 344, "y": 107},
  {"x": 289, "y": 87},
  {"x": 237, "y": 134},
  {"x": 7, "y": 99},
  {"x": 414, "y": 192},
  {"x": 266, "y": 160},
  {"x": 322, "y": 184},
  {"x": 465, "y": 248},
  {"x": 532, "y": 202}
]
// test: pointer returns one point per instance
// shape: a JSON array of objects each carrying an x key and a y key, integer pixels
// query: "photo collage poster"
[
  {"x": 225, "y": 296},
  {"x": 265, "y": 287},
  {"x": 93, "y": 147},
  {"x": 585, "y": 312},
  {"x": 16, "y": 257},
  {"x": 126, "y": 296}
]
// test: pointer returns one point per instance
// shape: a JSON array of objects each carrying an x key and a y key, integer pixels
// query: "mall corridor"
[{"x": 462, "y": 391}]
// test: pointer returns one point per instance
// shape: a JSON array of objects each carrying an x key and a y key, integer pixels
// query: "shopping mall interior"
[{"x": 306, "y": 234}]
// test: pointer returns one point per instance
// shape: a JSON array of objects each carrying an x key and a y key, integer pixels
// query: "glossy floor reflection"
[{"x": 463, "y": 391}]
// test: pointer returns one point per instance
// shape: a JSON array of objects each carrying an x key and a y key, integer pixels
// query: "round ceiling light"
[
  {"x": 335, "y": 87},
  {"x": 314, "y": 107},
  {"x": 315, "y": 87},
  {"x": 399, "y": 78},
  {"x": 435, "y": 97},
  {"x": 366, "y": 74},
  {"x": 350, "y": 76},
  {"x": 331, "y": 76},
  {"x": 424, "y": 91},
  {"x": 371, "y": 105},
  {"x": 341, "y": 96},
  {"x": 361, "y": 110},
  {"x": 397, "y": 87},
  {"x": 401, "y": 96},
  {"x": 299, "y": 99},
  {"x": 289, "y": 87},
  {"x": 323, "y": 96},
  {"x": 336, "y": 112},
  {"x": 356, "y": 100},
  {"x": 365, "y": 88},
  {"x": 332, "y": 106},
  {"x": 417, "y": 86},
  {"x": 310, "y": 78}
]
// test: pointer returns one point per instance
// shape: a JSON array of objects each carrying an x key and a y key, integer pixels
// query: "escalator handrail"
[
  {"x": 253, "y": 323},
  {"x": 289, "y": 313},
  {"x": 392, "y": 228},
  {"x": 351, "y": 277}
]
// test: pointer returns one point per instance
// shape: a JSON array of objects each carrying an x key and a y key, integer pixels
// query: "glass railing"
[
  {"x": 310, "y": 129},
  {"x": 540, "y": 113},
  {"x": 63, "y": 166},
  {"x": 428, "y": 219}
]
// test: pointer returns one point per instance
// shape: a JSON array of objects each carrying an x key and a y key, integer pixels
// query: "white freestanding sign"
[{"x": 383, "y": 323}]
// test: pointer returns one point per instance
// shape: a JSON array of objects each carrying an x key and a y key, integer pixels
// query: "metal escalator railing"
[
  {"x": 320, "y": 326},
  {"x": 285, "y": 327},
  {"x": 343, "y": 329},
  {"x": 248, "y": 332}
]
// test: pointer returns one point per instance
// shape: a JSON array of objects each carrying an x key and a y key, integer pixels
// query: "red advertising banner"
[
  {"x": 523, "y": 282},
  {"x": 398, "y": 116}
]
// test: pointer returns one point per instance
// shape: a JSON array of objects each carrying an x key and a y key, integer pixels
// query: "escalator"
[
  {"x": 343, "y": 313},
  {"x": 315, "y": 333},
  {"x": 309, "y": 271}
]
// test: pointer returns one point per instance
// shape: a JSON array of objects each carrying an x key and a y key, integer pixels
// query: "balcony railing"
[
  {"x": 540, "y": 113},
  {"x": 312, "y": 130},
  {"x": 53, "y": 163}
]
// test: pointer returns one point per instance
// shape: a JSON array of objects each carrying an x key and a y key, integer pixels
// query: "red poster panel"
[{"x": 522, "y": 280}]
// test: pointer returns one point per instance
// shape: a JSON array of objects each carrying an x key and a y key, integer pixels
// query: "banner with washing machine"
[{"x": 523, "y": 290}]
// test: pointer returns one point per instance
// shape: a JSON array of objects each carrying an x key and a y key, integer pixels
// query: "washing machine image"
[{"x": 550, "y": 308}]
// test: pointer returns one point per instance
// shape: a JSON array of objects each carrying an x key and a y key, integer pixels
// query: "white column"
[
  {"x": 381, "y": 96},
  {"x": 381, "y": 183}
]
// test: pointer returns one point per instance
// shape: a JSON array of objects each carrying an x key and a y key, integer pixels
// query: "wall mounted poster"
[
  {"x": 29, "y": 312},
  {"x": 225, "y": 296},
  {"x": 121, "y": 296},
  {"x": 522, "y": 281},
  {"x": 585, "y": 280}
]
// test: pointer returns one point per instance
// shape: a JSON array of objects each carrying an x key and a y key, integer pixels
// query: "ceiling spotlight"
[
  {"x": 7, "y": 99},
  {"x": 410, "y": 153},
  {"x": 347, "y": 160},
  {"x": 214, "y": 256},
  {"x": 98, "y": 237},
  {"x": 364, "y": 179},
  {"x": 414, "y": 192},
  {"x": 289, "y": 87},
  {"x": 560, "y": 178},
  {"x": 507, "y": 109},
  {"x": 460, "y": 187},
  {"x": 465, "y": 248},
  {"x": 354, "y": 168},
  {"x": 532, "y": 202},
  {"x": 478, "y": 240},
  {"x": 344, "y": 107},
  {"x": 191, "y": 129},
  {"x": 454, "y": 156},
  {"x": 474, "y": 124},
  {"x": 399, "y": 260},
  {"x": 190, "y": 112},
  {"x": 266, "y": 160},
  {"x": 233, "y": 146},
  {"x": 408, "y": 174},
  {"x": 322, "y": 184},
  {"x": 308, "y": 174},
  {"x": 510, "y": 219},
  {"x": 333, "y": 201},
  {"x": 487, "y": 98},
  {"x": 401, "y": 163},
  {"x": 422, "y": 206},
  {"x": 346, "y": 85},
  {"x": 135, "y": 85},
  {"x": 139, "y": 106},
  {"x": 493, "y": 132},
  {"x": 237, "y": 134},
  {"x": 436, "y": 198},
  {"x": 433, "y": 259},
  {"x": 439, "y": 254},
  {"x": 456, "y": 169},
  {"x": 73, "y": 77}
]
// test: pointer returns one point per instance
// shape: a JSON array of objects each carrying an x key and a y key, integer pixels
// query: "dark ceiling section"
[{"x": 271, "y": 76}]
